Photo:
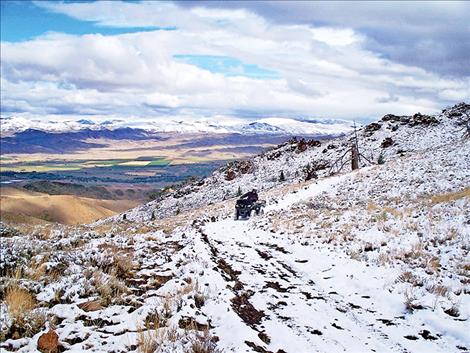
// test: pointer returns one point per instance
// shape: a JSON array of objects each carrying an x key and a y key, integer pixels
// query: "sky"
[{"x": 244, "y": 59}]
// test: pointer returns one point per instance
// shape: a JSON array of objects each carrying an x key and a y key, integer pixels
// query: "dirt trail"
[{"x": 312, "y": 299}]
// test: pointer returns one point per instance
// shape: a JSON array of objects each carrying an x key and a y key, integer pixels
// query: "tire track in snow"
[{"x": 279, "y": 288}]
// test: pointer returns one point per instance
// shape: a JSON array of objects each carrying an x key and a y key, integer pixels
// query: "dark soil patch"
[
  {"x": 387, "y": 322},
  {"x": 264, "y": 337},
  {"x": 288, "y": 268},
  {"x": 256, "y": 348},
  {"x": 411, "y": 337},
  {"x": 231, "y": 273},
  {"x": 427, "y": 335},
  {"x": 276, "y": 247},
  {"x": 264, "y": 255},
  {"x": 276, "y": 286},
  {"x": 337, "y": 326},
  {"x": 314, "y": 331},
  {"x": 246, "y": 310}
]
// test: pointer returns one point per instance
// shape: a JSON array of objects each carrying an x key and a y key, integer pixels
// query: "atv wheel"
[{"x": 236, "y": 215}]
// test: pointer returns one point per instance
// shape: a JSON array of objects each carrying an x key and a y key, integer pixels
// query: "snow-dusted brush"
[{"x": 363, "y": 246}]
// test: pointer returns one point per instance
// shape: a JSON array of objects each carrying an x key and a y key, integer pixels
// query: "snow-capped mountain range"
[{"x": 282, "y": 126}]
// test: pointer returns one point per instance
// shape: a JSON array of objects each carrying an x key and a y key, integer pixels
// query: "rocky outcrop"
[
  {"x": 387, "y": 142},
  {"x": 371, "y": 128},
  {"x": 414, "y": 120},
  {"x": 236, "y": 168}
]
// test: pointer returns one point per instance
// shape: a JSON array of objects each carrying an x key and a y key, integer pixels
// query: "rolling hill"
[{"x": 16, "y": 204}]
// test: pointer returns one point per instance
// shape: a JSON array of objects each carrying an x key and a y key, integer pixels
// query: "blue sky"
[
  {"x": 24, "y": 20},
  {"x": 158, "y": 60},
  {"x": 227, "y": 65}
]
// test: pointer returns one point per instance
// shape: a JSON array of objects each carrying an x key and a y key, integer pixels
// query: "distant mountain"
[
  {"x": 37, "y": 141},
  {"x": 296, "y": 127},
  {"x": 282, "y": 126}
]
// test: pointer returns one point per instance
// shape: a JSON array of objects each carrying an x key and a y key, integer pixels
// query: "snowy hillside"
[
  {"x": 373, "y": 260},
  {"x": 390, "y": 138}
]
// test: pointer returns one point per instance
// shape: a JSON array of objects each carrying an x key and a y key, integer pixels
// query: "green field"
[
  {"x": 159, "y": 162},
  {"x": 60, "y": 165}
]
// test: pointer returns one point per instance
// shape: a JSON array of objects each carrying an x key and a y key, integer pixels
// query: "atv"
[{"x": 246, "y": 208}]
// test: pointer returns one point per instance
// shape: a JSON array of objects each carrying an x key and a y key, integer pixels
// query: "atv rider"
[
  {"x": 250, "y": 196},
  {"x": 247, "y": 204}
]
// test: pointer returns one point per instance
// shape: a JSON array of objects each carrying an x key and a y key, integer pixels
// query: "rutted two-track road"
[{"x": 302, "y": 298}]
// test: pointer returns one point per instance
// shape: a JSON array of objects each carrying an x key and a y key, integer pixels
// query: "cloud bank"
[{"x": 243, "y": 62}]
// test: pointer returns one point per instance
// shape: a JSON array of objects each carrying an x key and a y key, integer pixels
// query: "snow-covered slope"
[
  {"x": 387, "y": 139},
  {"x": 374, "y": 260}
]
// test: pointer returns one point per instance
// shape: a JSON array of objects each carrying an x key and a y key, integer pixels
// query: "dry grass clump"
[
  {"x": 37, "y": 271},
  {"x": 394, "y": 212},
  {"x": 355, "y": 255},
  {"x": 167, "y": 312},
  {"x": 203, "y": 343},
  {"x": 382, "y": 216},
  {"x": 35, "y": 322},
  {"x": 155, "y": 320},
  {"x": 110, "y": 289},
  {"x": 123, "y": 265},
  {"x": 26, "y": 320},
  {"x": 384, "y": 258},
  {"x": 409, "y": 277},
  {"x": 117, "y": 262},
  {"x": 416, "y": 252},
  {"x": 433, "y": 265},
  {"x": 450, "y": 196},
  {"x": 411, "y": 300},
  {"x": 150, "y": 340},
  {"x": 438, "y": 289},
  {"x": 371, "y": 207},
  {"x": 464, "y": 269},
  {"x": 19, "y": 303},
  {"x": 191, "y": 286}
]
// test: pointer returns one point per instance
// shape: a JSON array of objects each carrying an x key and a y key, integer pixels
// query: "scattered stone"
[
  {"x": 92, "y": 305},
  {"x": 49, "y": 342},
  {"x": 387, "y": 142}
]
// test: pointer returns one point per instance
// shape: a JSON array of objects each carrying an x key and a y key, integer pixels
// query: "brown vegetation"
[
  {"x": 19, "y": 206},
  {"x": 19, "y": 303}
]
